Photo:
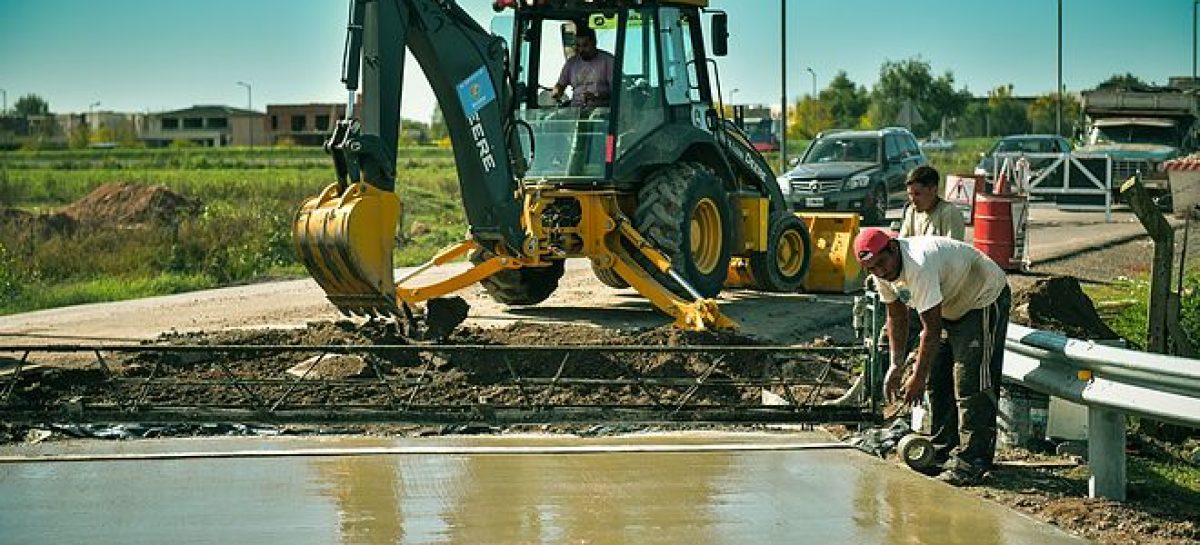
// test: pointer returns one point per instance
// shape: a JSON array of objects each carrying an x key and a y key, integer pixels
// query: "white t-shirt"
[{"x": 942, "y": 270}]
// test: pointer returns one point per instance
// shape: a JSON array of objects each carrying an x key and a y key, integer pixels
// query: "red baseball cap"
[{"x": 871, "y": 241}]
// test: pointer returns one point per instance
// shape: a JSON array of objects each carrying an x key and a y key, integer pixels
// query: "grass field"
[{"x": 244, "y": 231}]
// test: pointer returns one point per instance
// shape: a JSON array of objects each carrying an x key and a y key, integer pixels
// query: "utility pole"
[
  {"x": 1194, "y": 3},
  {"x": 814, "y": 78},
  {"x": 4, "y": 108},
  {"x": 249, "y": 106},
  {"x": 1058, "y": 91},
  {"x": 783, "y": 109},
  {"x": 91, "y": 108}
]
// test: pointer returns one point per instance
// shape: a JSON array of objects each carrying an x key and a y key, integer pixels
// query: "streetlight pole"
[
  {"x": 1058, "y": 91},
  {"x": 4, "y": 108},
  {"x": 783, "y": 109},
  {"x": 91, "y": 108},
  {"x": 814, "y": 78},
  {"x": 1194, "y": 3},
  {"x": 249, "y": 106}
]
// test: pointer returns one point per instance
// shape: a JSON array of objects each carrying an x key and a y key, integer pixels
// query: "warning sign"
[{"x": 960, "y": 191}]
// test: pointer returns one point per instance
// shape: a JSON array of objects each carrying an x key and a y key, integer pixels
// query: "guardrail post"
[{"x": 1106, "y": 454}]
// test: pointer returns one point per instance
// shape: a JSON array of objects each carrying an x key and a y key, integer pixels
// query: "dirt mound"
[
  {"x": 1058, "y": 304},
  {"x": 127, "y": 204},
  {"x": 36, "y": 225}
]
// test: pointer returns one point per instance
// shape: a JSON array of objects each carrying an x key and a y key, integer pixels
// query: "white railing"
[
  {"x": 1112, "y": 383},
  {"x": 1045, "y": 179}
]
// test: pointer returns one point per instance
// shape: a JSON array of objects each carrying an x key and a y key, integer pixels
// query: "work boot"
[{"x": 960, "y": 473}]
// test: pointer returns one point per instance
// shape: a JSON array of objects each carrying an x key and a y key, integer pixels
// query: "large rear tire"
[
  {"x": 520, "y": 287},
  {"x": 789, "y": 253},
  {"x": 684, "y": 211}
]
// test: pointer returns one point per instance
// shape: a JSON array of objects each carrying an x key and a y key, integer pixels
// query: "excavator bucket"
[{"x": 345, "y": 239}]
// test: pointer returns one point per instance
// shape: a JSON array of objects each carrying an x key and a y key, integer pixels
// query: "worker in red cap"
[{"x": 963, "y": 299}]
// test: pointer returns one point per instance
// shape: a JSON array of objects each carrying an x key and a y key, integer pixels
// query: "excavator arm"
[{"x": 345, "y": 235}]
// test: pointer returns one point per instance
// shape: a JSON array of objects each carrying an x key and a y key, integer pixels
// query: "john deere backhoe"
[{"x": 655, "y": 187}]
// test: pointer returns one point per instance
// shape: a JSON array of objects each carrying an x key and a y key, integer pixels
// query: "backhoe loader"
[{"x": 655, "y": 187}]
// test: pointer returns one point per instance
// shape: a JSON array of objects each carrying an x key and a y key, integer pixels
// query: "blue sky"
[{"x": 150, "y": 55}]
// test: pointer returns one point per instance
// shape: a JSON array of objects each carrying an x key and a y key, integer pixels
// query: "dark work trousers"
[{"x": 964, "y": 384}]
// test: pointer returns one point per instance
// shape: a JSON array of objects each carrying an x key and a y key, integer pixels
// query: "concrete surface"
[{"x": 818, "y": 497}]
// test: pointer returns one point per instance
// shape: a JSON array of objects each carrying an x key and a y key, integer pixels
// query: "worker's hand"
[
  {"x": 913, "y": 388},
  {"x": 891, "y": 382}
]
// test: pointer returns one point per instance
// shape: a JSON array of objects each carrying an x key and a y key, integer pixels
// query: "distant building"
[
  {"x": 210, "y": 126},
  {"x": 302, "y": 124}
]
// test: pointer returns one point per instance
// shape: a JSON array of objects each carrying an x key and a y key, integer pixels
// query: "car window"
[
  {"x": 890, "y": 147},
  {"x": 911, "y": 148},
  {"x": 835, "y": 150}
]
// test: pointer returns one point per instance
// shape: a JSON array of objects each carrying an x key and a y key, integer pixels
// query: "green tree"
[
  {"x": 912, "y": 81},
  {"x": 79, "y": 136},
  {"x": 1007, "y": 115},
  {"x": 974, "y": 120},
  {"x": 809, "y": 117},
  {"x": 30, "y": 105},
  {"x": 1043, "y": 114},
  {"x": 1124, "y": 81},
  {"x": 847, "y": 102}
]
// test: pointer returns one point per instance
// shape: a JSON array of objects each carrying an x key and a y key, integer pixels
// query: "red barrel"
[{"x": 994, "y": 228}]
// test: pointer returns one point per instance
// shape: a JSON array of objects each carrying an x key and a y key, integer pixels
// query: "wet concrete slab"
[{"x": 695, "y": 498}]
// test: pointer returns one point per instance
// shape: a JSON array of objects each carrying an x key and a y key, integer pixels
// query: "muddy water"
[{"x": 812, "y": 496}]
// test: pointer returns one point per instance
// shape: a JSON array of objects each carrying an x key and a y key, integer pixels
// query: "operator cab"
[{"x": 576, "y": 141}]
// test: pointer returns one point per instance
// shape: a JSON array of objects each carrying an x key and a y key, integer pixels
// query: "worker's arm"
[
  {"x": 931, "y": 338},
  {"x": 564, "y": 79},
  {"x": 897, "y": 332}
]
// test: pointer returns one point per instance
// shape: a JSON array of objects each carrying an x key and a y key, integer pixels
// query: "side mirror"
[
  {"x": 793, "y": 162},
  {"x": 720, "y": 34}
]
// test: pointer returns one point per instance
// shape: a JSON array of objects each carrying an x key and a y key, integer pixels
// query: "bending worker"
[
  {"x": 959, "y": 291},
  {"x": 588, "y": 72}
]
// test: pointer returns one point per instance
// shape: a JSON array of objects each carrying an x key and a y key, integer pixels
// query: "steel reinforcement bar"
[{"x": 777, "y": 393}]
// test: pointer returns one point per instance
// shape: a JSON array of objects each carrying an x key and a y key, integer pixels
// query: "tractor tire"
[
  {"x": 520, "y": 287},
  {"x": 609, "y": 277},
  {"x": 789, "y": 253},
  {"x": 684, "y": 211}
]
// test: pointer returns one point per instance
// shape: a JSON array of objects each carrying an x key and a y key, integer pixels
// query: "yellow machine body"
[
  {"x": 346, "y": 241},
  {"x": 833, "y": 268}
]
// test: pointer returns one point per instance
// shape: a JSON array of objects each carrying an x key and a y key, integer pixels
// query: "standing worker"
[
  {"x": 958, "y": 290},
  {"x": 927, "y": 213}
]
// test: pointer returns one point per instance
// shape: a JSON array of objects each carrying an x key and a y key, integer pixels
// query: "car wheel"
[{"x": 876, "y": 213}]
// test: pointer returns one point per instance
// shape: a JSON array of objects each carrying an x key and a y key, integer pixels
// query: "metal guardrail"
[{"x": 1112, "y": 383}]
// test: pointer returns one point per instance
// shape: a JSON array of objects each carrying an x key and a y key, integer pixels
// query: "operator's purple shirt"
[{"x": 594, "y": 76}]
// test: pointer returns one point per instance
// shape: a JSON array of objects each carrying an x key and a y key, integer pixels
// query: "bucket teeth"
[{"x": 345, "y": 240}]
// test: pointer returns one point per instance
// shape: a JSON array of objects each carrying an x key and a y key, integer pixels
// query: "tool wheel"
[
  {"x": 520, "y": 287},
  {"x": 609, "y": 277},
  {"x": 684, "y": 211},
  {"x": 916, "y": 451},
  {"x": 789, "y": 252}
]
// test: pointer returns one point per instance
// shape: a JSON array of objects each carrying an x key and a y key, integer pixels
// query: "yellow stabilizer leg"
[
  {"x": 456, "y": 282},
  {"x": 345, "y": 241},
  {"x": 698, "y": 315}
]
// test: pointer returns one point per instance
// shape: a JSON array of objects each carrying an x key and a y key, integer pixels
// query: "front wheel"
[{"x": 789, "y": 252}]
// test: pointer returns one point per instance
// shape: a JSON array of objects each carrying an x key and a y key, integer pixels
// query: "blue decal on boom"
[{"x": 476, "y": 91}]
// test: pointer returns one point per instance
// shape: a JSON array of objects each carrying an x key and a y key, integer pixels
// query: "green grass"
[
  {"x": 104, "y": 289},
  {"x": 243, "y": 233}
]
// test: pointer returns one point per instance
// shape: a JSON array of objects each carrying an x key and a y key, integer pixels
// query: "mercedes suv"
[{"x": 853, "y": 171}]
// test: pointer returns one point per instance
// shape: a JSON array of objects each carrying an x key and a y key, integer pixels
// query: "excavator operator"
[{"x": 588, "y": 72}]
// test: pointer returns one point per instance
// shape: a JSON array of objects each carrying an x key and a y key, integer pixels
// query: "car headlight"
[
  {"x": 861, "y": 180},
  {"x": 785, "y": 184},
  {"x": 982, "y": 172}
]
